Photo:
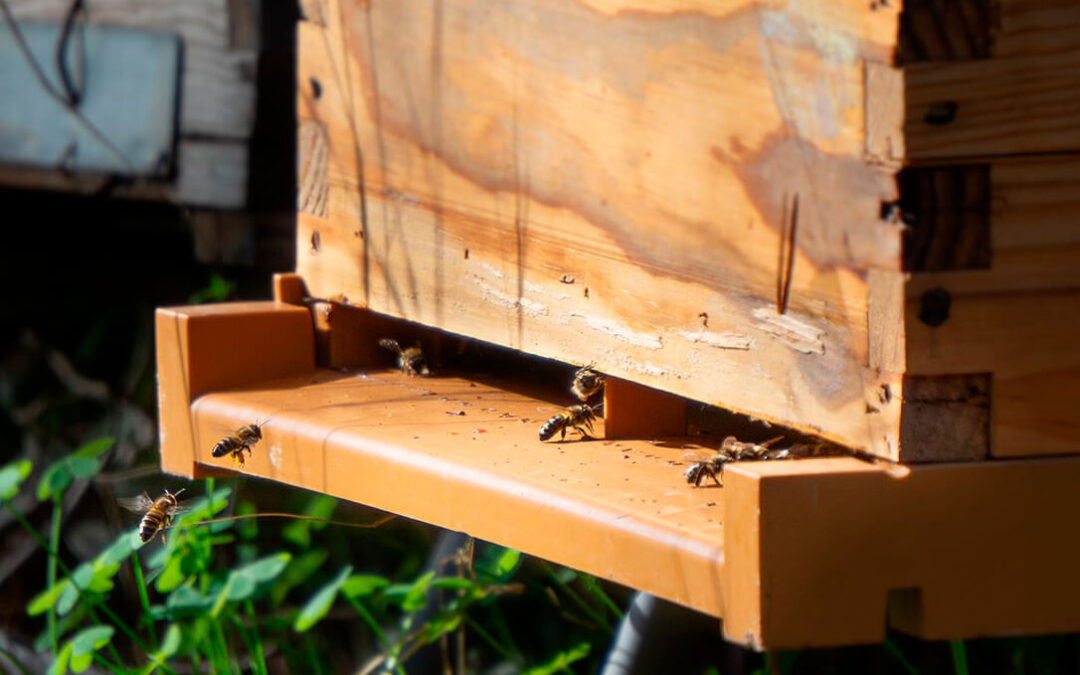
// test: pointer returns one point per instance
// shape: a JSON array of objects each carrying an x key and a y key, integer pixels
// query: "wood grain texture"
[
  {"x": 585, "y": 182},
  {"x": 1004, "y": 106}
]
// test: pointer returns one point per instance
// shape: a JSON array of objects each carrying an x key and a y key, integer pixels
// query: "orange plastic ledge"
[{"x": 789, "y": 554}]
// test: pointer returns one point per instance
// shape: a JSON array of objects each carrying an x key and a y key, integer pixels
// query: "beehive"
[{"x": 798, "y": 211}]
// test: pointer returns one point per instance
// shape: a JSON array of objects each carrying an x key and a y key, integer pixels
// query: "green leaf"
[
  {"x": 361, "y": 585},
  {"x": 172, "y": 576},
  {"x": 80, "y": 662},
  {"x": 444, "y": 622},
  {"x": 46, "y": 599},
  {"x": 267, "y": 568},
  {"x": 417, "y": 595},
  {"x": 297, "y": 572},
  {"x": 60, "y": 663},
  {"x": 94, "y": 449},
  {"x": 119, "y": 550},
  {"x": 297, "y": 532},
  {"x": 12, "y": 477},
  {"x": 55, "y": 480},
  {"x": 453, "y": 583},
  {"x": 91, "y": 639},
  {"x": 506, "y": 563},
  {"x": 170, "y": 644},
  {"x": 319, "y": 604},
  {"x": 187, "y": 601},
  {"x": 82, "y": 467},
  {"x": 561, "y": 661},
  {"x": 68, "y": 598},
  {"x": 242, "y": 587}
]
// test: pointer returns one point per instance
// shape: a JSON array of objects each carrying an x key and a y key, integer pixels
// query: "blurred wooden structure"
[
  {"x": 838, "y": 217},
  {"x": 217, "y": 97}
]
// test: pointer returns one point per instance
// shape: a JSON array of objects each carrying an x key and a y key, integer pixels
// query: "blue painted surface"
[{"x": 130, "y": 84}]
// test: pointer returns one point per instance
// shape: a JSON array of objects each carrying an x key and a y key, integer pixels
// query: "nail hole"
[
  {"x": 316, "y": 240},
  {"x": 586, "y": 291},
  {"x": 934, "y": 306},
  {"x": 941, "y": 113},
  {"x": 316, "y": 88},
  {"x": 466, "y": 254}
]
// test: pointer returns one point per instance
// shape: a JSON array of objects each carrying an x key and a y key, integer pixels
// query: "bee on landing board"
[
  {"x": 158, "y": 513},
  {"x": 587, "y": 382},
  {"x": 410, "y": 360},
  {"x": 235, "y": 443},
  {"x": 733, "y": 450},
  {"x": 577, "y": 417}
]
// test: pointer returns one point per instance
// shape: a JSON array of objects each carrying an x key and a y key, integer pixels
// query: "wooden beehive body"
[
  {"x": 748, "y": 205},
  {"x": 705, "y": 200}
]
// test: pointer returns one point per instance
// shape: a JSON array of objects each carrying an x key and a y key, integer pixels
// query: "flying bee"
[
  {"x": 587, "y": 381},
  {"x": 158, "y": 513},
  {"x": 578, "y": 417},
  {"x": 410, "y": 360},
  {"x": 235, "y": 443},
  {"x": 733, "y": 450}
]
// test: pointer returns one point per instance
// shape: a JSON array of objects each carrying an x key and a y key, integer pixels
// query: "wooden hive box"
[
  {"x": 798, "y": 211},
  {"x": 744, "y": 204}
]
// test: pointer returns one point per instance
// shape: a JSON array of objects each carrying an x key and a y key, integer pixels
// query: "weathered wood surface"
[
  {"x": 601, "y": 182},
  {"x": 217, "y": 101}
]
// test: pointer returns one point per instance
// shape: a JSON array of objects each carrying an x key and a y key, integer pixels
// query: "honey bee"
[
  {"x": 158, "y": 513},
  {"x": 579, "y": 417},
  {"x": 587, "y": 382},
  {"x": 235, "y": 443},
  {"x": 733, "y": 450},
  {"x": 410, "y": 360}
]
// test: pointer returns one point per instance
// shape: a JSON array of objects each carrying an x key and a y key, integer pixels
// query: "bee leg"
[
  {"x": 584, "y": 434},
  {"x": 562, "y": 436}
]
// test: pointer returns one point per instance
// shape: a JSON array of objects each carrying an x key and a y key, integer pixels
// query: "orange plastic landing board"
[
  {"x": 466, "y": 456},
  {"x": 802, "y": 553}
]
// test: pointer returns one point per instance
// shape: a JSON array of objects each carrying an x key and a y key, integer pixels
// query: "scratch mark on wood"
[
  {"x": 725, "y": 340},
  {"x": 620, "y": 331},
  {"x": 786, "y": 262},
  {"x": 497, "y": 297},
  {"x": 798, "y": 335}
]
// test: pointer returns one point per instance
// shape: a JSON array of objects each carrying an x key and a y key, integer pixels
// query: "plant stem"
[
  {"x": 93, "y": 600},
  {"x": 492, "y": 642},
  {"x": 144, "y": 597},
  {"x": 375, "y": 628},
  {"x": 596, "y": 618},
  {"x": 959, "y": 656},
  {"x": 98, "y": 658},
  {"x": 260, "y": 658},
  {"x": 219, "y": 639},
  {"x": 54, "y": 537},
  {"x": 895, "y": 652}
]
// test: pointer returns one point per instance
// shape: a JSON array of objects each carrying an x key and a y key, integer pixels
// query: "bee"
[
  {"x": 587, "y": 382},
  {"x": 235, "y": 443},
  {"x": 158, "y": 513},
  {"x": 733, "y": 450},
  {"x": 410, "y": 360},
  {"x": 579, "y": 417}
]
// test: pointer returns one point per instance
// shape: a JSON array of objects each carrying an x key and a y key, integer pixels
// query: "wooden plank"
[
  {"x": 519, "y": 199},
  {"x": 1000, "y": 106},
  {"x": 211, "y": 174},
  {"x": 218, "y": 76},
  {"x": 1029, "y": 27}
]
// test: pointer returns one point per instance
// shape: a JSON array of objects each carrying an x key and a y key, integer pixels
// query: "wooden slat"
[
  {"x": 596, "y": 208},
  {"x": 1028, "y": 27},
  {"x": 1003, "y": 106},
  {"x": 211, "y": 174}
]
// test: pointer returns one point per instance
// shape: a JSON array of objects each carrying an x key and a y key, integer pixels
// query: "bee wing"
[
  {"x": 699, "y": 455},
  {"x": 139, "y": 504}
]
